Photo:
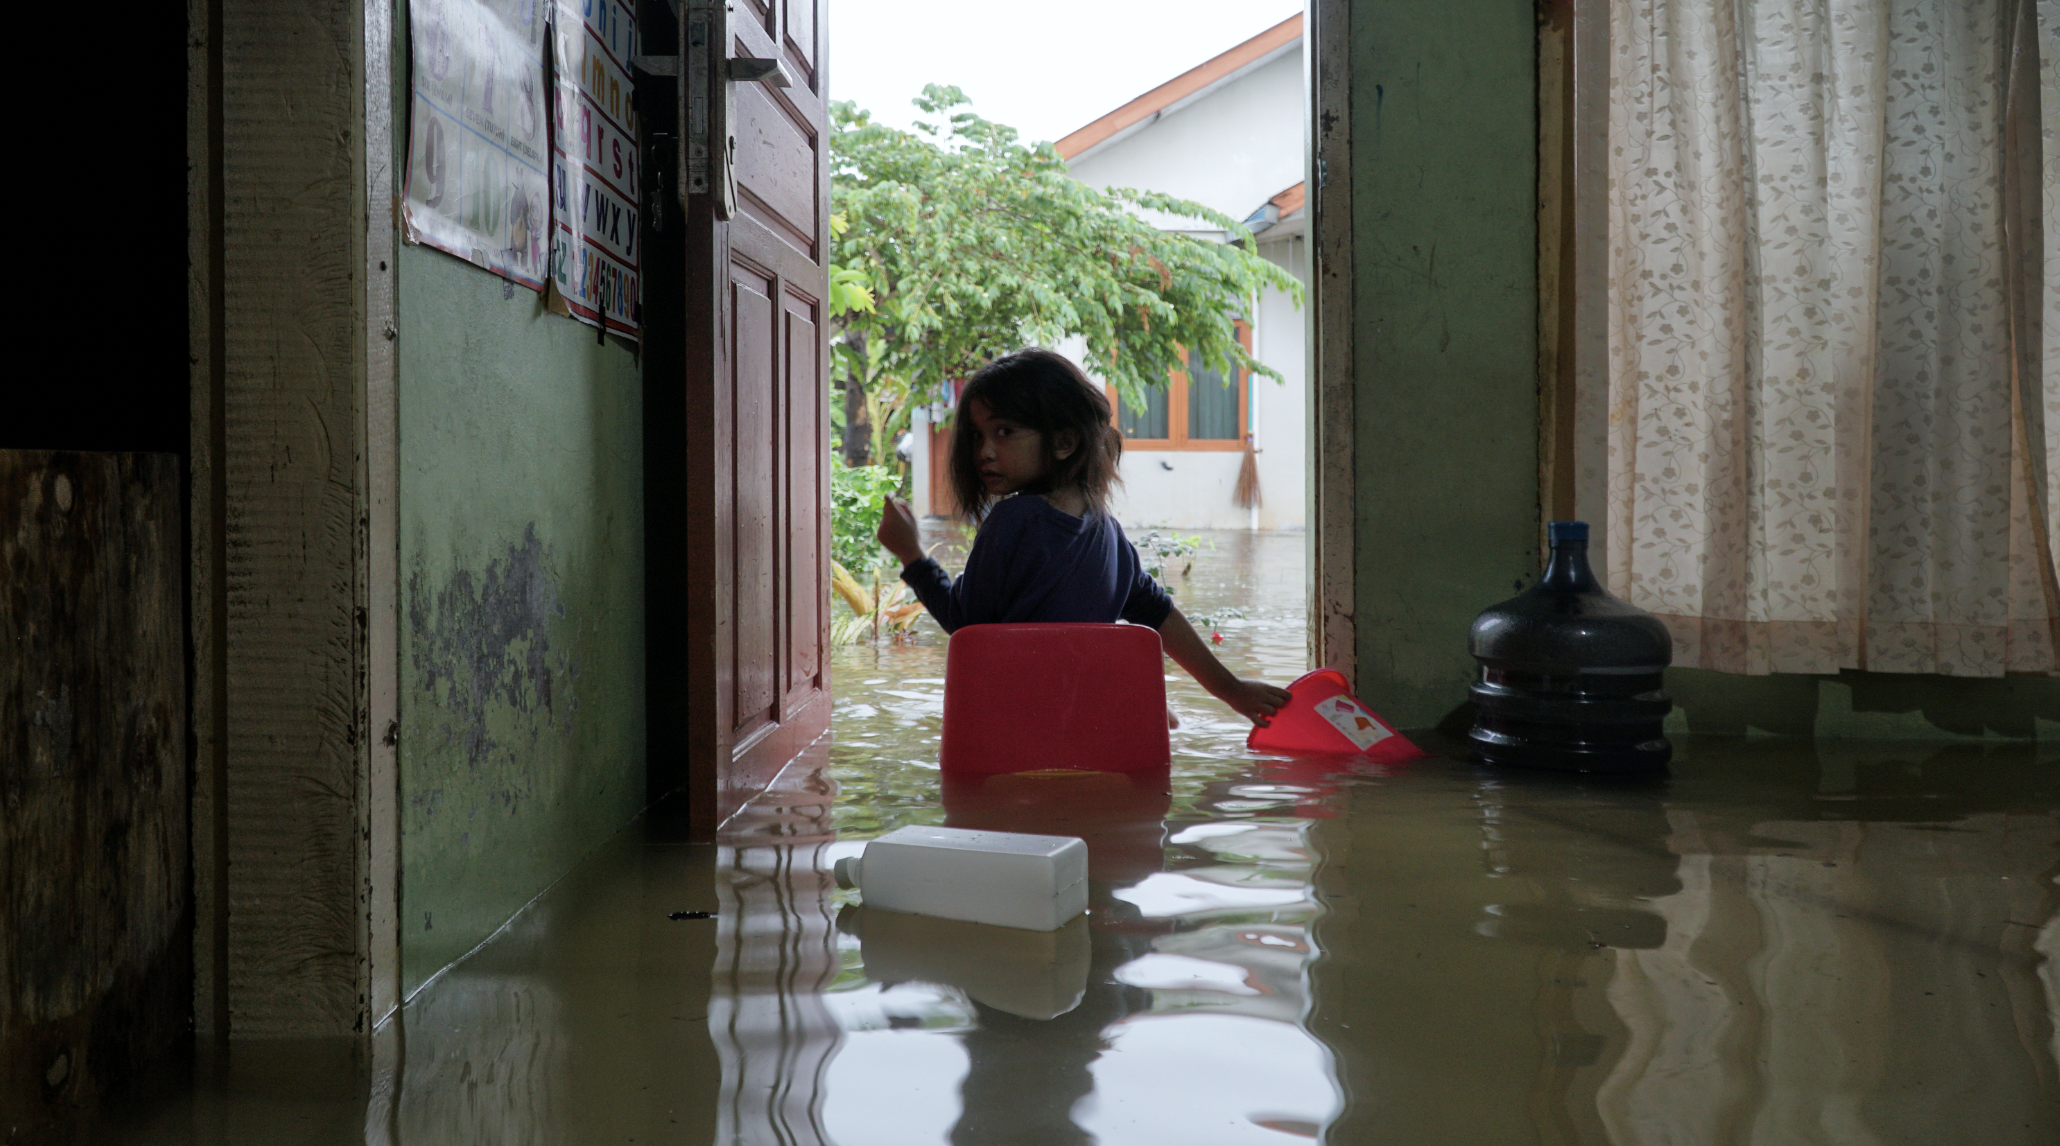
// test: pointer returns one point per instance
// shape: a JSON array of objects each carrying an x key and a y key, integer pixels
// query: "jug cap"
[{"x": 1558, "y": 531}]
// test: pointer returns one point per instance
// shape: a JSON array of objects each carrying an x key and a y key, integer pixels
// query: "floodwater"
[{"x": 1781, "y": 942}]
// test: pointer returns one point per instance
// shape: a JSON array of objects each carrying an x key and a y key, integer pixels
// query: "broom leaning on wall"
[{"x": 1246, "y": 494}]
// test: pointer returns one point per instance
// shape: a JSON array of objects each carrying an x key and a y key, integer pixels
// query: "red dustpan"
[{"x": 1325, "y": 719}]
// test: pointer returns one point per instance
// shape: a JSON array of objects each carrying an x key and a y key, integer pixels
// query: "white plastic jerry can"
[{"x": 1008, "y": 879}]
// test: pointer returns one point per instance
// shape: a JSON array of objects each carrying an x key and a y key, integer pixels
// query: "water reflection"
[
  {"x": 1783, "y": 942},
  {"x": 1029, "y": 974},
  {"x": 1065, "y": 1037},
  {"x": 775, "y": 957},
  {"x": 1845, "y": 979}
]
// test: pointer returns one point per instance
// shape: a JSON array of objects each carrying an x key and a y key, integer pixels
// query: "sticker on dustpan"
[{"x": 1357, "y": 724}]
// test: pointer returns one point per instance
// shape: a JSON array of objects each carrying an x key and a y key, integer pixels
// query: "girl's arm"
[{"x": 1255, "y": 700}]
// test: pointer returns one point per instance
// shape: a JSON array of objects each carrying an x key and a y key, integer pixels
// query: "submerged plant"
[
  {"x": 885, "y": 608},
  {"x": 1168, "y": 551}
]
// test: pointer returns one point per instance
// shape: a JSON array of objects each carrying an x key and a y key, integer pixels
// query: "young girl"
[{"x": 1034, "y": 441}]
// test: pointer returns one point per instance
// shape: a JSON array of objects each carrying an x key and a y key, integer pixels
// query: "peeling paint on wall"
[
  {"x": 521, "y": 727},
  {"x": 485, "y": 643}
]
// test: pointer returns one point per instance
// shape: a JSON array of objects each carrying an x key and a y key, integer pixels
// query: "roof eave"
[{"x": 1183, "y": 90}]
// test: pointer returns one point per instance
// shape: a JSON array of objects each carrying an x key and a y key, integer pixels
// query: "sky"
[{"x": 1043, "y": 67}]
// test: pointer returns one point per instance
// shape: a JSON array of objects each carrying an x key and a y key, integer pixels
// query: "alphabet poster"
[
  {"x": 595, "y": 238},
  {"x": 477, "y": 184}
]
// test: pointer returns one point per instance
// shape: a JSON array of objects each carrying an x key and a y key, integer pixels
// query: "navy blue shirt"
[{"x": 1034, "y": 562}]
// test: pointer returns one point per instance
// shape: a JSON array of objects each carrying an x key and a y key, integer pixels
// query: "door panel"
[
  {"x": 807, "y": 505},
  {"x": 760, "y": 13},
  {"x": 757, "y": 395},
  {"x": 776, "y": 157},
  {"x": 755, "y": 482},
  {"x": 800, "y": 39}
]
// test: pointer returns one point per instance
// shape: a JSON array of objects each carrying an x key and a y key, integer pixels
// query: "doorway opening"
[{"x": 1216, "y": 455}]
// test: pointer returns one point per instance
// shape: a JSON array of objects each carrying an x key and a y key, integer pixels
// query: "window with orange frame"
[{"x": 1198, "y": 409}]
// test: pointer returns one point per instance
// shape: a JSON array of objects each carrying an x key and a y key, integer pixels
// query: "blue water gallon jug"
[{"x": 1570, "y": 677}]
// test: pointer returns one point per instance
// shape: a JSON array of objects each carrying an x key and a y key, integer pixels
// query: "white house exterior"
[{"x": 1228, "y": 134}]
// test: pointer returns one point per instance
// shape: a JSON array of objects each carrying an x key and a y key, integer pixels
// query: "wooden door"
[{"x": 757, "y": 396}]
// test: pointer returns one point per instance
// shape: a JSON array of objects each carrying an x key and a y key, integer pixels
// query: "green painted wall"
[
  {"x": 1444, "y": 232},
  {"x": 522, "y": 672},
  {"x": 1444, "y": 169}
]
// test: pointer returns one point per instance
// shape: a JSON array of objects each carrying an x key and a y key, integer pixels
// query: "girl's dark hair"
[{"x": 1046, "y": 392}]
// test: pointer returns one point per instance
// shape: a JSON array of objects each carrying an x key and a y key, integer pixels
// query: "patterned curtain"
[{"x": 1834, "y": 427}]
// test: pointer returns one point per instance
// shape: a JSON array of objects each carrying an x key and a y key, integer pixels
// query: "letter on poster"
[
  {"x": 596, "y": 240},
  {"x": 477, "y": 182}
]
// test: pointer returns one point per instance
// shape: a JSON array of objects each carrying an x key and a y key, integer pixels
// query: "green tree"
[{"x": 954, "y": 243}]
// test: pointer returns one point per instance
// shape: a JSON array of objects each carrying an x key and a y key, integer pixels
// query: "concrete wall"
[
  {"x": 96, "y": 878},
  {"x": 1280, "y": 410},
  {"x": 521, "y": 511},
  {"x": 1444, "y": 257},
  {"x": 1191, "y": 489}
]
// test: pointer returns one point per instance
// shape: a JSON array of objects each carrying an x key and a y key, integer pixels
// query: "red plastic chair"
[{"x": 1019, "y": 698}]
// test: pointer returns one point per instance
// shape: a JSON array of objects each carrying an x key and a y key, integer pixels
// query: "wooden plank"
[
  {"x": 206, "y": 527},
  {"x": 289, "y": 479},
  {"x": 1333, "y": 636},
  {"x": 703, "y": 583},
  {"x": 95, "y": 875},
  {"x": 378, "y": 535},
  {"x": 1588, "y": 322},
  {"x": 1555, "y": 268}
]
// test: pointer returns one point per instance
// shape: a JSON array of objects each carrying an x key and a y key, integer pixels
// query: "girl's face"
[{"x": 1010, "y": 454}]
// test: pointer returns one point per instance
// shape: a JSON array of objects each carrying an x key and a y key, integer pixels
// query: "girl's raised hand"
[{"x": 898, "y": 531}]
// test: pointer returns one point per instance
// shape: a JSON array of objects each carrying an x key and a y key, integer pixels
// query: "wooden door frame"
[
  {"x": 1573, "y": 287},
  {"x": 1332, "y": 457}
]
